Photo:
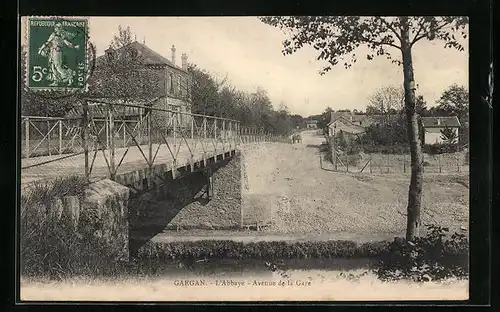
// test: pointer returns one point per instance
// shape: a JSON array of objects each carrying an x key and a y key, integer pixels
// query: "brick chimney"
[
  {"x": 173, "y": 54},
  {"x": 184, "y": 61}
]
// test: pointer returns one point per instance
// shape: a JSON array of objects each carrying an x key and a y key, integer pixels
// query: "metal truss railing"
[{"x": 115, "y": 137}]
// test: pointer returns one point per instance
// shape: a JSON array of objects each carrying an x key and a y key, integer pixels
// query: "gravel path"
[{"x": 287, "y": 189}]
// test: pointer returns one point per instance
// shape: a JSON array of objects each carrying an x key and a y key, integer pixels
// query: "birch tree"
[{"x": 338, "y": 38}]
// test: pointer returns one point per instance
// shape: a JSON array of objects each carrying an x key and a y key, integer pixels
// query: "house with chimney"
[
  {"x": 433, "y": 128},
  {"x": 176, "y": 80}
]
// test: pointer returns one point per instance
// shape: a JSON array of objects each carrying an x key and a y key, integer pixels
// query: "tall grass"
[{"x": 52, "y": 246}]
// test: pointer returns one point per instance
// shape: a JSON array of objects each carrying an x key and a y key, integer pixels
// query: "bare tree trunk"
[{"x": 416, "y": 181}]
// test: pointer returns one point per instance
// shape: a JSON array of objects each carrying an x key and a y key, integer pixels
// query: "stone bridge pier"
[{"x": 137, "y": 206}]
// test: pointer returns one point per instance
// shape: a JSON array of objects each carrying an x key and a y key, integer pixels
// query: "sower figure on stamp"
[{"x": 52, "y": 49}]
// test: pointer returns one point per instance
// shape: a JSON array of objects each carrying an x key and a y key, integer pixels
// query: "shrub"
[
  {"x": 440, "y": 148},
  {"x": 427, "y": 258},
  {"x": 263, "y": 250}
]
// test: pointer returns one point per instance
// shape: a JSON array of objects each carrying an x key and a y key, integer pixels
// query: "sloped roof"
[
  {"x": 347, "y": 115},
  {"x": 432, "y": 122},
  {"x": 149, "y": 56}
]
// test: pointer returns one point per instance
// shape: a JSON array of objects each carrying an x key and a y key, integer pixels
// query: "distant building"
[
  {"x": 348, "y": 122},
  {"x": 433, "y": 127},
  {"x": 312, "y": 124}
]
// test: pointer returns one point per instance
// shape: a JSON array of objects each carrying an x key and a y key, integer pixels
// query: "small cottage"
[
  {"x": 433, "y": 128},
  {"x": 312, "y": 124}
]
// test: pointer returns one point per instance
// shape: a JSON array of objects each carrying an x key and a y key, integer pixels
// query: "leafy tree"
[
  {"x": 455, "y": 101},
  {"x": 387, "y": 100},
  {"x": 122, "y": 73},
  {"x": 123, "y": 38},
  {"x": 324, "y": 118},
  {"x": 421, "y": 106},
  {"x": 337, "y": 39}
]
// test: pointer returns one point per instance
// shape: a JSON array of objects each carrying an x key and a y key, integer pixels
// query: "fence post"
[
  {"x": 124, "y": 134},
  {"x": 175, "y": 130},
  {"x": 106, "y": 126},
  {"x": 388, "y": 161},
  {"x": 439, "y": 162},
  {"x": 192, "y": 127},
  {"x": 60, "y": 137},
  {"x": 112, "y": 142},
  {"x": 458, "y": 165},
  {"x": 141, "y": 112},
  {"x": 223, "y": 137},
  {"x": 215, "y": 130},
  {"x": 27, "y": 137},
  {"x": 404, "y": 163},
  {"x": 85, "y": 125},
  {"x": 150, "y": 141},
  {"x": 204, "y": 127},
  {"x": 370, "y": 160},
  {"x": 48, "y": 137},
  {"x": 334, "y": 155}
]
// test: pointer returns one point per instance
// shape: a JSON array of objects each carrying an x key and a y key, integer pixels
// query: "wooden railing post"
[
  {"x": 223, "y": 135},
  {"x": 111, "y": 139},
  {"x": 60, "y": 137},
  {"x": 204, "y": 127},
  {"x": 106, "y": 125},
  {"x": 192, "y": 127},
  {"x": 48, "y": 137},
  {"x": 85, "y": 138},
  {"x": 150, "y": 139},
  {"x": 141, "y": 119},
  {"x": 124, "y": 134},
  {"x": 175, "y": 131},
  {"x": 27, "y": 137}
]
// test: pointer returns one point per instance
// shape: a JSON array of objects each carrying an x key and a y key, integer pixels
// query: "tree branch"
[
  {"x": 417, "y": 38},
  {"x": 391, "y": 28},
  {"x": 418, "y": 32},
  {"x": 381, "y": 43}
]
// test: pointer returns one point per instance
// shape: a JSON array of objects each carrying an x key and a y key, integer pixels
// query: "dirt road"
[{"x": 287, "y": 189}]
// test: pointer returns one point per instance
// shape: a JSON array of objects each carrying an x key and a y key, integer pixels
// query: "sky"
[{"x": 249, "y": 52}]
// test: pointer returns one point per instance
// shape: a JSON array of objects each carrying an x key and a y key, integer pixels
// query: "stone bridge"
[{"x": 149, "y": 169}]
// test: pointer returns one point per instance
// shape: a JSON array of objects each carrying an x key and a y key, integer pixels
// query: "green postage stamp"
[{"x": 57, "y": 54}]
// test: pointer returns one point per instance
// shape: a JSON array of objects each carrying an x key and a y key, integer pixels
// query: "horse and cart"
[{"x": 296, "y": 137}]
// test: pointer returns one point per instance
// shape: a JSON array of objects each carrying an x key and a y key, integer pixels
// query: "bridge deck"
[{"x": 133, "y": 160}]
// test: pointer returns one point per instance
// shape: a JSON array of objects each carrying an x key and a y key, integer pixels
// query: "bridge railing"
[
  {"x": 47, "y": 136},
  {"x": 108, "y": 138},
  {"x": 254, "y": 135},
  {"x": 146, "y": 134}
]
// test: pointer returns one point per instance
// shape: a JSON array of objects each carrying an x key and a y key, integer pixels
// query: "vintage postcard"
[{"x": 272, "y": 158}]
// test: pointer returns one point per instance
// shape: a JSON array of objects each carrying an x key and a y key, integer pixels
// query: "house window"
[
  {"x": 171, "y": 82},
  {"x": 179, "y": 85}
]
